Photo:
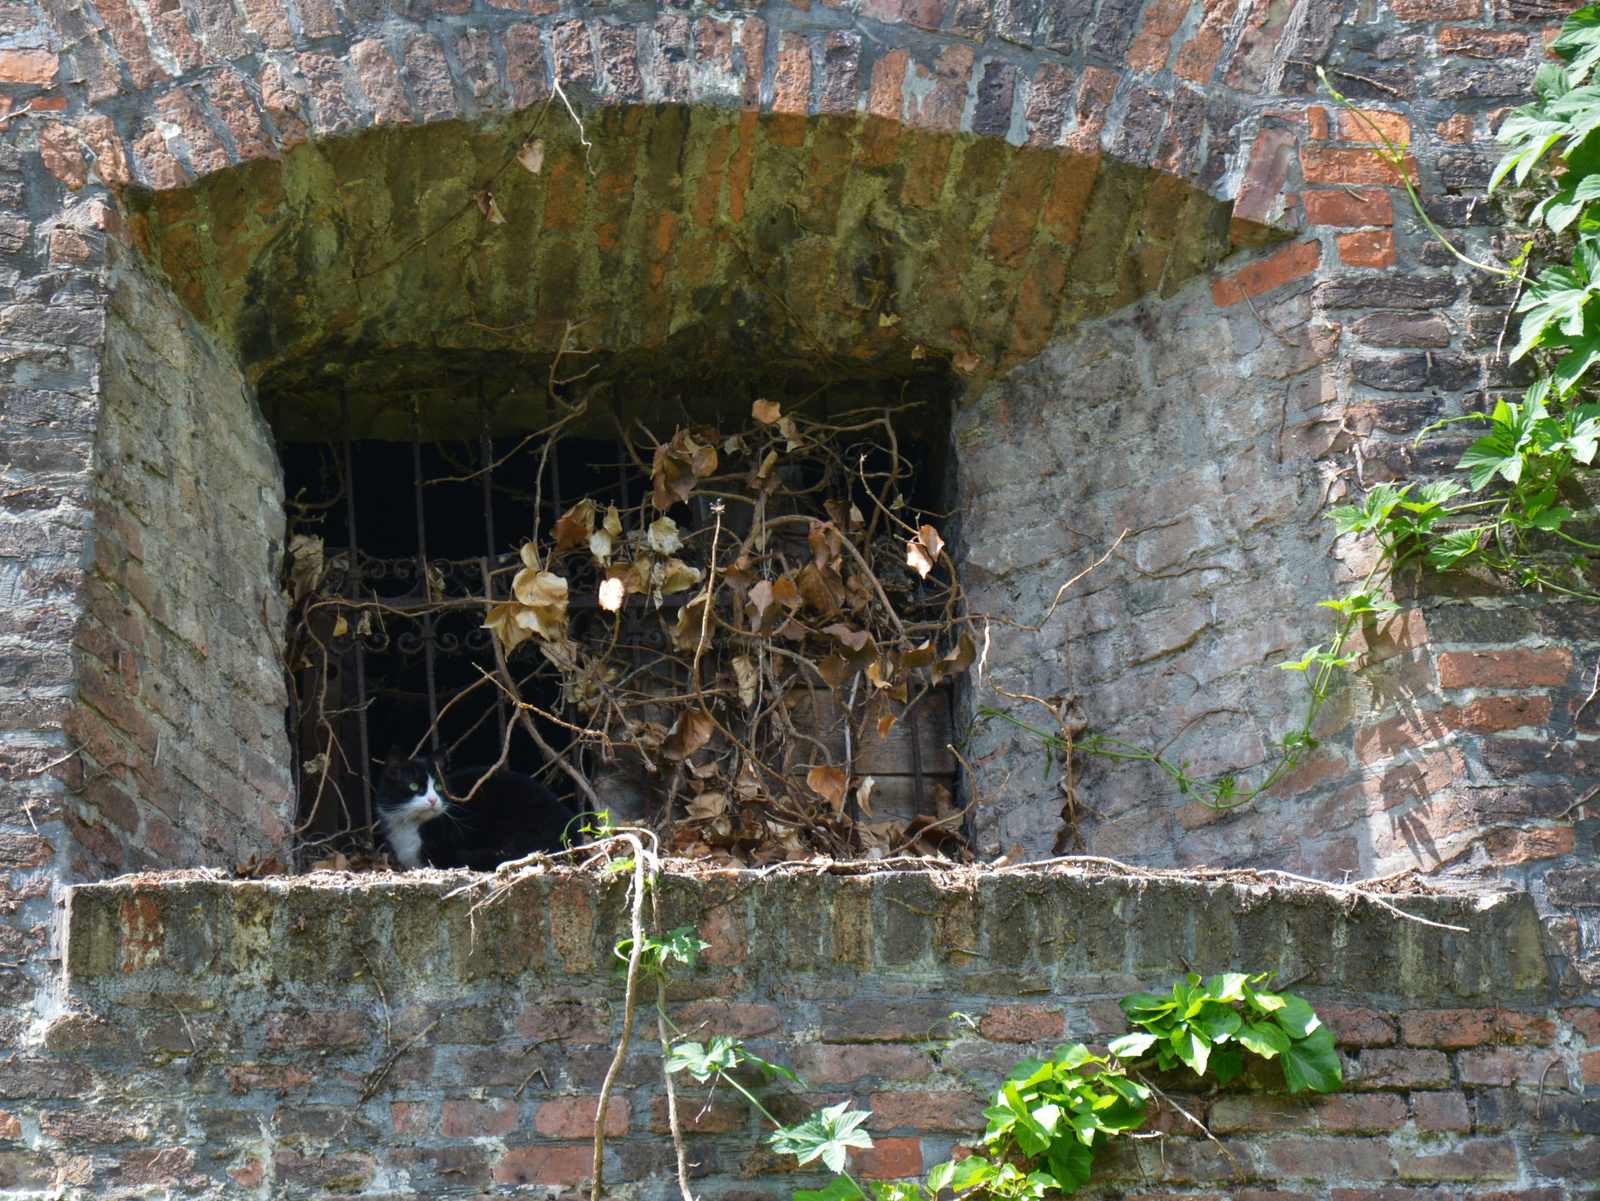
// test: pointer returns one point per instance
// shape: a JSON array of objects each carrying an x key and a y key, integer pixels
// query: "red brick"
[
  {"x": 940, "y": 105},
  {"x": 1437, "y": 10},
  {"x": 1507, "y": 846},
  {"x": 1338, "y": 207},
  {"x": 238, "y": 112},
  {"x": 837, "y": 1063},
  {"x": 206, "y": 152},
  {"x": 1393, "y": 1067},
  {"x": 10, "y": 1127},
  {"x": 1590, "y": 1063},
  {"x": 319, "y": 1028},
  {"x": 1393, "y": 126},
  {"x": 1483, "y": 43},
  {"x": 110, "y": 159},
  {"x": 697, "y": 1116},
  {"x": 28, "y": 66},
  {"x": 1197, "y": 58},
  {"x": 1440, "y": 1111},
  {"x": 1367, "y": 248},
  {"x": 1329, "y": 1158},
  {"x": 791, "y": 80},
  {"x": 951, "y": 1110},
  {"x": 129, "y": 37},
  {"x": 562, "y": 1166},
  {"x": 525, "y": 65},
  {"x": 276, "y": 1077},
  {"x": 1361, "y": 1113},
  {"x": 409, "y": 1117},
  {"x": 887, "y": 1159},
  {"x": 1447, "y": 1028},
  {"x": 737, "y": 1019},
  {"x": 270, "y": 22},
  {"x": 1517, "y": 668},
  {"x": 1246, "y": 1114},
  {"x": 573, "y": 1117},
  {"x": 58, "y": 147},
  {"x": 1586, "y": 1021},
  {"x": 1017, "y": 219},
  {"x": 1492, "y": 714},
  {"x": 481, "y": 1119},
  {"x": 576, "y": 1023},
  {"x": 1480, "y": 1159},
  {"x": 1457, "y": 130},
  {"x": 1505, "y": 1066},
  {"x": 1299, "y": 259},
  {"x": 1357, "y": 1027},
  {"x": 886, "y": 96},
  {"x": 1264, "y": 176},
  {"x": 1350, "y": 165},
  {"x": 1023, "y": 1023}
]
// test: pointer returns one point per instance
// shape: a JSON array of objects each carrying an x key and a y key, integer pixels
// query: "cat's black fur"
[{"x": 426, "y": 825}]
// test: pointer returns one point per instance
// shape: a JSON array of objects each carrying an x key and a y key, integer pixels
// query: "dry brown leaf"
[
  {"x": 574, "y": 526},
  {"x": 531, "y": 156},
  {"x": 964, "y": 654},
  {"x": 612, "y": 593},
  {"x": 766, "y": 411},
  {"x": 885, "y": 724},
  {"x": 744, "y": 671},
  {"x": 829, "y": 783},
  {"x": 708, "y": 805},
  {"x": 664, "y": 537},
  {"x": 922, "y": 552},
  {"x": 689, "y": 733},
  {"x": 864, "y": 794},
  {"x": 502, "y": 621}
]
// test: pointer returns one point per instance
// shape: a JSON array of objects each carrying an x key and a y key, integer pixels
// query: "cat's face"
[{"x": 410, "y": 794}]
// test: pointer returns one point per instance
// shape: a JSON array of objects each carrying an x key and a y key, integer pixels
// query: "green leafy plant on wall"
[
  {"x": 1050, "y": 1117},
  {"x": 1519, "y": 512}
]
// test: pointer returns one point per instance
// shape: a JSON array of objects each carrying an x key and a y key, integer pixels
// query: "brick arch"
[
  {"x": 678, "y": 233},
  {"x": 1047, "y": 95}
]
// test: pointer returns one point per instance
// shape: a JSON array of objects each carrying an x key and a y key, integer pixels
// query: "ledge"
[{"x": 1051, "y": 931}]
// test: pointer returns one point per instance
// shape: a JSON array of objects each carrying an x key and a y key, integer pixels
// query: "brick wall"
[
  {"x": 181, "y": 722},
  {"x": 226, "y": 1035}
]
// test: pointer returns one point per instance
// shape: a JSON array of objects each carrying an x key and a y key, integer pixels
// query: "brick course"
[{"x": 302, "y": 1072}]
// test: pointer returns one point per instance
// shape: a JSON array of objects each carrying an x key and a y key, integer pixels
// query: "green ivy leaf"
[
  {"x": 1192, "y": 1047},
  {"x": 840, "y": 1188},
  {"x": 1131, "y": 1046},
  {"x": 1266, "y": 1039},
  {"x": 827, "y": 1134},
  {"x": 1312, "y": 1062},
  {"x": 1297, "y": 1017}
]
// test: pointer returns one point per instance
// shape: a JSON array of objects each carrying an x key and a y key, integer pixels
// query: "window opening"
[{"x": 446, "y": 598}]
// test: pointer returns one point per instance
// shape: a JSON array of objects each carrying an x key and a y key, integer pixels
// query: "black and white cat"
[{"x": 427, "y": 826}]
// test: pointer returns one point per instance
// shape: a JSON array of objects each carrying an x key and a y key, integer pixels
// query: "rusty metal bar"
[
  {"x": 422, "y": 564},
  {"x": 353, "y": 582},
  {"x": 916, "y": 761},
  {"x": 486, "y": 452}
]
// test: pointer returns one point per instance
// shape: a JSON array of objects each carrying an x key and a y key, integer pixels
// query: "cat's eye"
[{"x": 416, "y": 788}]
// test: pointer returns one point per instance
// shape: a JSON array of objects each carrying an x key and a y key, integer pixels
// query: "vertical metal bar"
[
  {"x": 422, "y": 563},
  {"x": 354, "y": 581},
  {"x": 486, "y": 452},
  {"x": 916, "y": 762}
]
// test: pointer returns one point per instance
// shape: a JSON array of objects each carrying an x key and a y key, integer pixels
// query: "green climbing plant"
[
  {"x": 1049, "y": 1118},
  {"x": 1518, "y": 512}
]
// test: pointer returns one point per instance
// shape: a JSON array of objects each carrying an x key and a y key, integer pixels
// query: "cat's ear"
[{"x": 395, "y": 761}]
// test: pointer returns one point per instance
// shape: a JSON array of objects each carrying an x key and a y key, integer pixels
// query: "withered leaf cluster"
[{"x": 728, "y": 646}]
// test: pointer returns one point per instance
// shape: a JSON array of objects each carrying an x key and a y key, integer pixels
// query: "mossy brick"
[
  {"x": 1008, "y": 927},
  {"x": 849, "y": 917},
  {"x": 911, "y": 904}
]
